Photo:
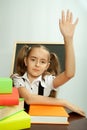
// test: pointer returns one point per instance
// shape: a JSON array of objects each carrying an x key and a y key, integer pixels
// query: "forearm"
[
  {"x": 69, "y": 57},
  {"x": 38, "y": 99}
]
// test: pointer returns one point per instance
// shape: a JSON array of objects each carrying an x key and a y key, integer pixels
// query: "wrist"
[{"x": 68, "y": 41}]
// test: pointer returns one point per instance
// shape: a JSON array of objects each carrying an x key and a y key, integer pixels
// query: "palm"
[{"x": 66, "y": 26}]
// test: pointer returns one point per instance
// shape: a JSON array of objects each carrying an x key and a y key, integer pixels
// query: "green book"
[
  {"x": 20, "y": 120},
  {"x": 5, "y": 85}
]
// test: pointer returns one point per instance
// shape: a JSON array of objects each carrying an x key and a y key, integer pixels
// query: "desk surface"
[{"x": 76, "y": 121}]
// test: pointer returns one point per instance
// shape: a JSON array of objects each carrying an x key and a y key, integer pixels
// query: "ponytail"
[
  {"x": 54, "y": 67},
  {"x": 20, "y": 65}
]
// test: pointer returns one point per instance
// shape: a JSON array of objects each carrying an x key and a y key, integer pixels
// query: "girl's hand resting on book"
[{"x": 75, "y": 108}]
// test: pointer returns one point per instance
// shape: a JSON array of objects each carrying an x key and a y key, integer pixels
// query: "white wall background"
[{"x": 37, "y": 20}]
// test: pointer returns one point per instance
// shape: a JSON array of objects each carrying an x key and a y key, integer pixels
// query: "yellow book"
[
  {"x": 48, "y": 114},
  {"x": 20, "y": 120}
]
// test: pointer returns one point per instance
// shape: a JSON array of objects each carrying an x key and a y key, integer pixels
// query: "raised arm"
[{"x": 67, "y": 28}]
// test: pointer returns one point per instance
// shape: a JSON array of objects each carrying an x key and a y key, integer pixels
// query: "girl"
[{"x": 36, "y": 74}]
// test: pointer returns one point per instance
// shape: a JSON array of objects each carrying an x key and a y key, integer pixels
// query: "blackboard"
[{"x": 58, "y": 48}]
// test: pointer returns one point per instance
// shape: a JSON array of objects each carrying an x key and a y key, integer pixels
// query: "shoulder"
[
  {"x": 17, "y": 80},
  {"x": 49, "y": 77},
  {"x": 16, "y": 75}
]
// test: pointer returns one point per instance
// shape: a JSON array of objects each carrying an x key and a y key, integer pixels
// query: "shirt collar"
[{"x": 37, "y": 80}]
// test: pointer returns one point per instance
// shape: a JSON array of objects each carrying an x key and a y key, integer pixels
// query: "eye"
[
  {"x": 43, "y": 62},
  {"x": 32, "y": 59}
]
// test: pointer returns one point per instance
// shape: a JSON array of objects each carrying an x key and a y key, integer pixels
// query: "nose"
[{"x": 37, "y": 63}]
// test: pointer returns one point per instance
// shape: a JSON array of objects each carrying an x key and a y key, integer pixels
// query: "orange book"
[
  {"x": 48, "y": 114},
  {"x": 10, "y": 99}
]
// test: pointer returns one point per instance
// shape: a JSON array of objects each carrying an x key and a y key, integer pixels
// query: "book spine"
[{"x": 10, "y": 99}]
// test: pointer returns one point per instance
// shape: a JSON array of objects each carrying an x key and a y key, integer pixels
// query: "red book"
[{"x": 10, "y": 99}]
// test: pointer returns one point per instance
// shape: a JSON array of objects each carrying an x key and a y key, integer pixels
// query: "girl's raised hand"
[{"x": 66, "y": 24}]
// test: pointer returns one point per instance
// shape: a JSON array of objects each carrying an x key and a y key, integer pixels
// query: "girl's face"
[{"x": 37, "y": 62}]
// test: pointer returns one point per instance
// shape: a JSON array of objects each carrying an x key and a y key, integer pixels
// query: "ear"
[
  {"x": 25, "y": 61},
  {"x": 47, "y": 66}
]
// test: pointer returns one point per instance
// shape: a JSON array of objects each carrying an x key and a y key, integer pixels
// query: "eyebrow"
[{"x": 36, "y": 57}]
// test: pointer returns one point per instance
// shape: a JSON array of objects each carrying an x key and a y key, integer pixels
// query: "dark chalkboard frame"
[{"x": 57, "y": 47}]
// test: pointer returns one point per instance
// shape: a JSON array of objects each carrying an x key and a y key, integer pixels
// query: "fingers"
[
  {"x": 68, "y": 17},
  {"x": 63, "y": 16},
  {"x": 82, "y": 113},
  {"x": 76, "y": 21},
  {"x": 71, "y": 17}
]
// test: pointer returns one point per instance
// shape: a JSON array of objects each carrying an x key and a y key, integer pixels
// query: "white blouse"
[{"x": 23, "y": 81}]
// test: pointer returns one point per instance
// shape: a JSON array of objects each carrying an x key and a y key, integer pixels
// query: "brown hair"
[{"x": 53, "y": 69}]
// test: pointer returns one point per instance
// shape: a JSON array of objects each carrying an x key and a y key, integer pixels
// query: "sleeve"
[
  {"x": 18, "y": 82},
  {"x": 49, "y": 81}
]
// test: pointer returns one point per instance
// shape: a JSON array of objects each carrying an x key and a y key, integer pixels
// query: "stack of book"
[
  {"x": 12, "y": 114},
  {"x": 48, "y": 114}
]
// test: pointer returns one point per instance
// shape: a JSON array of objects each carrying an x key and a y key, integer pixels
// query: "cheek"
[
  {"x": 45, "y": 68},
  {"x": 30, "y": 65}
]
